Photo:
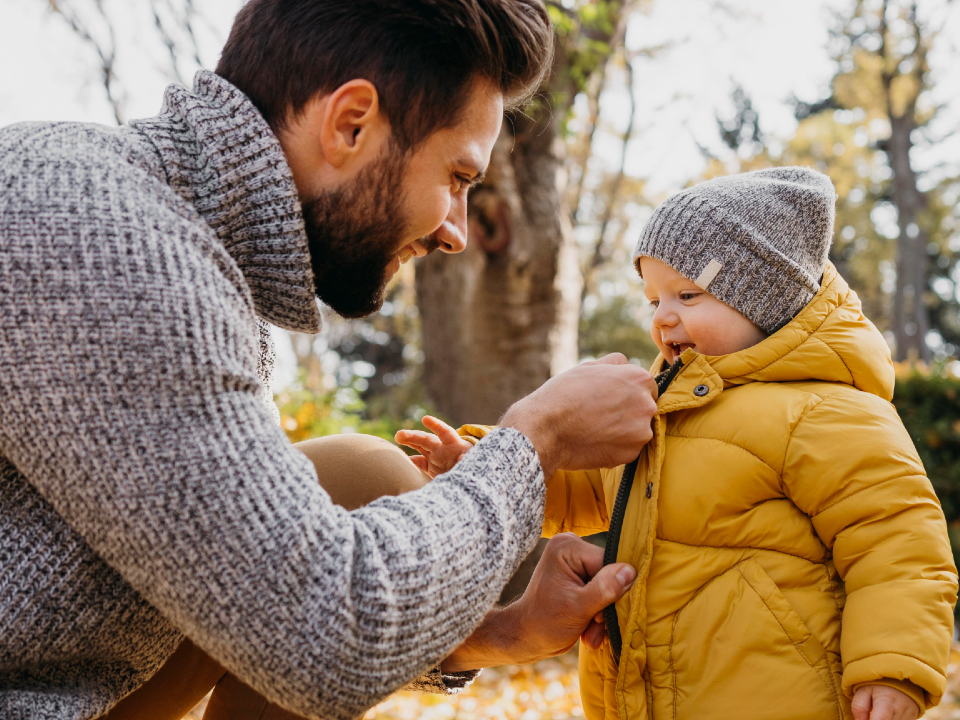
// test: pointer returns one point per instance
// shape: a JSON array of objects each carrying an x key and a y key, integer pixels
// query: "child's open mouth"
[{"x": 678, "y": 348}]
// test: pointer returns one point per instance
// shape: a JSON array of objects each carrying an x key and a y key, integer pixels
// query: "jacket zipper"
[{"x": 663, "y": 381}]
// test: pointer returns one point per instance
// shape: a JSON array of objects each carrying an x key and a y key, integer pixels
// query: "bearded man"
[{"x": 152, "y": 513}]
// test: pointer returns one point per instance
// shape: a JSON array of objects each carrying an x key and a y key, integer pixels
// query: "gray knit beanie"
[{"x": 757, "y": 241}]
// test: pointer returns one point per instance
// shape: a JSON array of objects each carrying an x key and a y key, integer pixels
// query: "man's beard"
[{"x": 354, "y": 233}]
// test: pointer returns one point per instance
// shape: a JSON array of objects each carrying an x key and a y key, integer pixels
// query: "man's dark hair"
[{"x": 421, "y": 55}]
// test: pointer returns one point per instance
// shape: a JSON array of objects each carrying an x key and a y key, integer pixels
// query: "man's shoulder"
[
  {"x": 114, "y": 174},
  {"x": 70, "y": 190},
  {"x": 45, "y": 152}
]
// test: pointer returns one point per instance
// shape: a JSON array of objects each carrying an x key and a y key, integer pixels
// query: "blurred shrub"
[
  {"x": 306, "y": 414},
  {"x": 618, "y": 325},
  {"x": 929, "y": 405}
]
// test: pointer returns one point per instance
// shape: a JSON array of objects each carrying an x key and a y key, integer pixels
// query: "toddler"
[{"x": 792, "y": 557}]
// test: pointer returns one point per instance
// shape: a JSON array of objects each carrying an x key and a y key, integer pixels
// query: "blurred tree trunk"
[
  {"x": 501, "y": 318},
  {"x": 902, "y": 90}
]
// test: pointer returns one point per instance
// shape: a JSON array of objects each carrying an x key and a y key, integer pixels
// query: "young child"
[{"x": 792, "y": 555}]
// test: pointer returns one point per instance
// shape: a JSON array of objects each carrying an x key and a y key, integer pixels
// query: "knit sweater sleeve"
[
  {"x": 131, "y": 403},
  {"x": 575, "y": 498}
]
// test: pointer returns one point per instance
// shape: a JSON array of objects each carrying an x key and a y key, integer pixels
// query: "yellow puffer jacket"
[{"x": 780, "y": 500}]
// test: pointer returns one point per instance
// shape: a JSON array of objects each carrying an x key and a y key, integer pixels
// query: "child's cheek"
[{"x": 655, "y": 334}]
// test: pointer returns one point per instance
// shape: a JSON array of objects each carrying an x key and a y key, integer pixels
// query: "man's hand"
[
  {"x": 593, "y": 416},
  {"x": 563, "y": 602},
  {"x": 439, "y": 452},
  {"x": 879, "y": 702}
]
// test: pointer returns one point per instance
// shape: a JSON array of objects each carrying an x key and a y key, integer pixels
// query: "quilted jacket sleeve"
[
  {"x": 852, "y": 467},
  {"x": 575, "y": 498}
]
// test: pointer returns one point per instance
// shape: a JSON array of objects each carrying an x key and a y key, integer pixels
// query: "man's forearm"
[{"x": 498, "y": 641}]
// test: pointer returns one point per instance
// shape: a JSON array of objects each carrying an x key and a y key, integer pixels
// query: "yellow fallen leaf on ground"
[{"x": 547, "y": 690}]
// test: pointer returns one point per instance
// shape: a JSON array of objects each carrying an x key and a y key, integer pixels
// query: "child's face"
[{"x": 688, "y": 317}]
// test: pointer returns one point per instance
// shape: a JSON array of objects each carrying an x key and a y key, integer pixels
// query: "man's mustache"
[{"x": 429, "y": 243}]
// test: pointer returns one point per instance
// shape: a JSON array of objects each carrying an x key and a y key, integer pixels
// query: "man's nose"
[{"x": 451, "y": 236}]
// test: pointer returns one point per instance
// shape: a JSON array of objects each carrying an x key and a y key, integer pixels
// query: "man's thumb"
[{"x": 607, "y": 586}]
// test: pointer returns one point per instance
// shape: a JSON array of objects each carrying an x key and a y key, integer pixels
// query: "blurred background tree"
[{"x": 502, "y": 317}]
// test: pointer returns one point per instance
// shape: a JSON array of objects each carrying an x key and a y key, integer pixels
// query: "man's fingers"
[
  {"x": 443, "y": 431},
  {"x": 606, "y": 587},
  {"x": 593, "y": 636},
  {"x": 861, "y": 703},
  {"x": 585, "y": 559}
]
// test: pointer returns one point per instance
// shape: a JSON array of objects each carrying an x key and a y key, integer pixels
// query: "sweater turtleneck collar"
[{"x": 221, "y": 156}]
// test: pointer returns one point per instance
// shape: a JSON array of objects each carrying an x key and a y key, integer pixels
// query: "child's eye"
[
  {"x": 655, "y": 303},
  {"x": 688, "y": 295}
]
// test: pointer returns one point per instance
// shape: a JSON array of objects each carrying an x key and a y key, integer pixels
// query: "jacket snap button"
[
  {"x": 649, "y": 490},
  {"x": 701, "y": 390}
]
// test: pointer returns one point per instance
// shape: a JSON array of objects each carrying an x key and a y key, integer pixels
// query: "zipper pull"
[{"x": 649, "y": 490}]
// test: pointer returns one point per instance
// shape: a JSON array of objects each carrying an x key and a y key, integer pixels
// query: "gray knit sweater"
[{"x": 145, "y": 490}]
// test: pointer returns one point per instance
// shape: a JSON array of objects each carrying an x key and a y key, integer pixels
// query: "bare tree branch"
[
  {"x": 166, "y": 38},
  {"x": 594, "y": 90},
  {"x": 599, "y": 248},
  {"x": 106, "y": 52}
]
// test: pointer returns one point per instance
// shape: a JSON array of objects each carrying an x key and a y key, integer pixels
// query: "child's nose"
[{"x": 664, "y": 316}]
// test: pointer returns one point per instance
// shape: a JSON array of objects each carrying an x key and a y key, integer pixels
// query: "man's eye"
[{"x": 461, "y": 183}]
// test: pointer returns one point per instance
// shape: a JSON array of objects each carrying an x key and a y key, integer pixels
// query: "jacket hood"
[{"x": 830, "y": 340}]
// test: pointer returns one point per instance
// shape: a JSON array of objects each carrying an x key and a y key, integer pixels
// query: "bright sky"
[{"x": 774, "y": 49}]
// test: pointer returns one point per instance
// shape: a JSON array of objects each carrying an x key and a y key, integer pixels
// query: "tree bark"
[
  {"x": 910, "y": 309},
  {"x": 502, "y": 317},
  {"x": 911, "y": 314}
]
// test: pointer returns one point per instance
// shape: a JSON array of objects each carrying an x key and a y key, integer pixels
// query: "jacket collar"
[
  {"x": 221, "y": 156},
  {"x": 830, "y": 340}
]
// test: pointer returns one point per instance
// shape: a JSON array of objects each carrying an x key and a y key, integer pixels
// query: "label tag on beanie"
[{"x": 708, "y": 274}]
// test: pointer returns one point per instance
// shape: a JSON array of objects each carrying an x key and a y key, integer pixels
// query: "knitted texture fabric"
[
  {"x": 146, "y": 491},
  {"x": 758, "y": 241}
]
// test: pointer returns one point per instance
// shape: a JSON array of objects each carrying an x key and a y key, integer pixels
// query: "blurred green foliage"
[
  {"x": 929, "y": 405},
  {"x": 306, "y": 414},
  {"x": 619, "y": 324}
]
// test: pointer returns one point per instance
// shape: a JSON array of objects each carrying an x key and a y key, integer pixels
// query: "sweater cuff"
[
  {"x": 438, "y": 682},
  {"x": 914, "y": 692}
]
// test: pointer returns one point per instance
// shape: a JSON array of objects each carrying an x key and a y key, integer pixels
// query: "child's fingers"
[
  {"x": 418, "y": 440},
  {"x": 861, "y": 704},
  {"x": 882, "y": 709},
  {"x": 446, "y": 433}
]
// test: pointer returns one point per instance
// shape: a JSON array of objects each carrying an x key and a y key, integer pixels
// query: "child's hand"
[
  {"x": 438, "y": 453},
  {"x": 879, "y": 702}
]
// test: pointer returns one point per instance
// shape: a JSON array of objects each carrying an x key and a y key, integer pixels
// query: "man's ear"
[{"x": 350, "y": 122}]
